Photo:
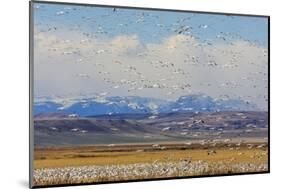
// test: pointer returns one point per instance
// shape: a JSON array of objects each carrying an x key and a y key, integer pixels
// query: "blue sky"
[{"x": 160, "y": 23}]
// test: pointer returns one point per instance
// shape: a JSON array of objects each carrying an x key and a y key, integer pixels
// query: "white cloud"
[
  {"x": 177, "y": 66},
  {"x": 121, "y": 44}
]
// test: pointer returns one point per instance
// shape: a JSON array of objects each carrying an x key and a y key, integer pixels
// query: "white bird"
[
  {"x": 166, "y": 129},
  {"x": 60, "y": 13}
]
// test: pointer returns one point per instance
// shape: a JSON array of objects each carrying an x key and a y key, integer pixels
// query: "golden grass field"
[
  {"x": 106, "y": 163},
  {"x": 130, "y": 154}
]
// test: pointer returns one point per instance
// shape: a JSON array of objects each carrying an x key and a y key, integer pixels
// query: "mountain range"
[{"x": 101, "y": 105}]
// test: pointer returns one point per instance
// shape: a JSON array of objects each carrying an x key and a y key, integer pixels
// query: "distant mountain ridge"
[{"x": 138, "y": 105}]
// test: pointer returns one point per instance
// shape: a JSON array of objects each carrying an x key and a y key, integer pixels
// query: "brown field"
[
  {"x": 145, "y": 153},
  {"x": 89, "y": 164}
]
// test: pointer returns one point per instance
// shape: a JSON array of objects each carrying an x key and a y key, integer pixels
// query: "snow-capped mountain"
[
  {"x": 204, "y": 103},
  {"x": 138, "y": 105}
]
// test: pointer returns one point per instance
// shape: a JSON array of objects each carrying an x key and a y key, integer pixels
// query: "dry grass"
[
  {"x": 90, "y": 164},
  {"x": 120, "y": 155}
]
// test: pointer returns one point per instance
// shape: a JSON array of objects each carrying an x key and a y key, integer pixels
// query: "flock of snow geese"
[
  {"x": 172, "y": 77},
  {"x": 88, "y": 174}
]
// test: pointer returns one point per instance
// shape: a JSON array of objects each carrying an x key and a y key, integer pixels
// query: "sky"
[{"x": 86, "y": 50}]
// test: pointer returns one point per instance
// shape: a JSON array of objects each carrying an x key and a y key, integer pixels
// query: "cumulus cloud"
[
  {"x": 124, "y": 43},
  {"x": 72, "y": 63}
]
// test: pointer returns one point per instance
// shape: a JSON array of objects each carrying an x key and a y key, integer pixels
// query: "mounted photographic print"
[{"x": 121, "y": 94}]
